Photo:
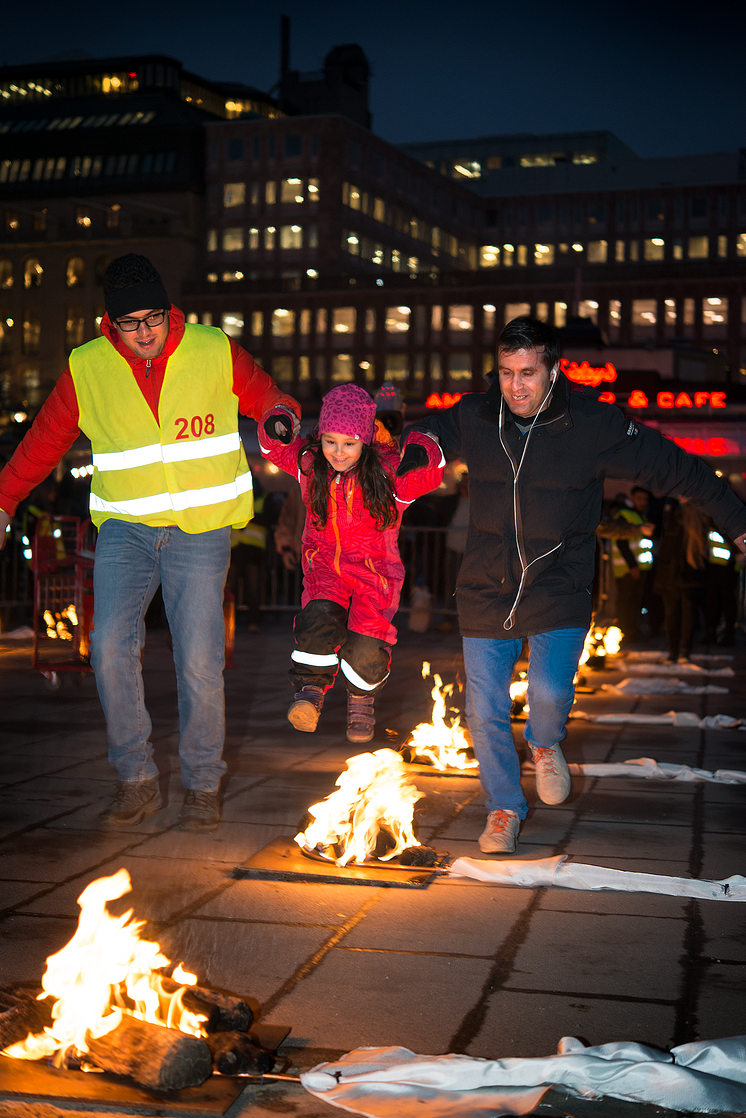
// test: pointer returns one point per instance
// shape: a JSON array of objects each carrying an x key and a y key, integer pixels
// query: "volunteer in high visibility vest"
[
  {"x": 159, "y": 400},
  {"x": 632, "y": 559},
  {"x": 721, "y": 588}
]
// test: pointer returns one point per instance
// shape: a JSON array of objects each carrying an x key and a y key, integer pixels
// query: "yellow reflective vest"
[
  {"x": 640, "y": 548},
  {"x": 187, "y": 469}
]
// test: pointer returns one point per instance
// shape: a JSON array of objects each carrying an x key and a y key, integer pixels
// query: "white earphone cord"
[{"x": 508, "y": 622}]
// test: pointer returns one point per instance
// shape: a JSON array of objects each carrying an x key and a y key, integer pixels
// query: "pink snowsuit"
[{"x": 352, "y": 563}]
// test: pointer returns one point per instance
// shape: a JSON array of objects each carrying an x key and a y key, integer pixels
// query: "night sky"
[{"x": 667, "y": 78}]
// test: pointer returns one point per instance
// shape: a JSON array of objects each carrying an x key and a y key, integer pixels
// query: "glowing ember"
[
  {"x": 374, "y": 801},
  {"x": 59, "y": 624},
  {"x": 105, "y": 971},
  {"x": 601, "y": 642},
  {"x": 441, "y": 745}
]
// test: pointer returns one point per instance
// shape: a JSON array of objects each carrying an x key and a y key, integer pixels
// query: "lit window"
[
  {"x": 508, "y": 255},
  {"x": 351, "y": 242},
  {"x": 397, "y": 319},
  {"x": 212, "y": 240},
  {"x": 321, "y": 320},
  {"x": 436, "y": 320},
  {"x": 644, "y": 318},
  {"x": 489, "y": 256},
  {"x": 207, "y": 318},
  {"x": 31, "y": 332},
  {"x": 541, "y": 159},
  {"x": 460, "y": 318},
  {"x": 466, "y": 169},
  {"x": 522, "y": 256},
  {"x": 32, "y": 272},
  {"x": 212, "y": 277},
  {"x": 232, "y": 277},
  {"x": 282, "y": 370},
  {"x": 588, "y": 308},
  {"x": 370, "y": 321},
  {"x": 75, "y": 271},
  {"x": 343, "y": 320},
  {"x": 543, "y": 254},
  {"x": 269, "y": 237},
  {"x": 312, "y": 190},
  {"x": 584, "y": 157},
  {"x": 714, "y": 317},
  {"x": 232, "y": 323},
  {"x": 413, "y": 264},
  {"x": 234, "y": 194},
  {"x": 257, "y": 323},
  {"x": 699, "y": 248},
  {"x": 741, "y": 244},
  {"x": 291, "y": 191},
  {"x": 83, "y": 216},
  {"x": 305, "y": 321},
  {"x": 353, "y": 196},
  {"x": 270, "y": 193},
  {"x": 489, "y": 311},
  {"x": 233, "y": 240},
  {"x": 397, "y": 366},
  {"x": 342, "y": 370},
  {"x": 615, "y": 318},
  {"x": 377, "y": 256},
  {"x": 283, "y": 322},
  {"x": 516, "y": 310},
  {"x": 560, "y": 315},
  {"x": 619, "y": 251},
  {"x": 379, "y": 210},
  {"x": 722, "y": 246},
  {"x": 253, "y": 238},
  {"x": 597, "y": 252},
  {"x": 654, "y": 248},
  {"x": 6, "y": 274},
  {"x": 74, "y": 327},
  {"x": 395, "y": 260},
  {"x": 459, "y": 370},
  {"x": 291, "y": 236},
  {"x": 542, "y": 312},
  {"x": 192, "y": 317}
]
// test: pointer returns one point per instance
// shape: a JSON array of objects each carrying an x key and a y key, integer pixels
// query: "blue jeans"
[
  {"x": 489, "y": 665},
  {"x": 131, "y": 561}
]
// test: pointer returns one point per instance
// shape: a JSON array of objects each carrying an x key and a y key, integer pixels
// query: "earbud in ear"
[{"x": 554, "y": 375}]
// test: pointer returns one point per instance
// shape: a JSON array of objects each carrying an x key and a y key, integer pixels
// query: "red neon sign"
[
  {"x": 446, "y": 400},
  {"x": 637, "y": 399},
  {"x": 684, "y": 400},
  {"x": 714, "y": 447},
  {"x": 584, "y": 373}
]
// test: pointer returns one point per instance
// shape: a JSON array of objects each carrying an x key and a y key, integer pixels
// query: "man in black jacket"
[{"x": 537, "y": 450}]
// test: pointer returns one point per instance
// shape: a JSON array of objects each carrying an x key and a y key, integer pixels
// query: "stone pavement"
[{"x": 457, "y": 967}]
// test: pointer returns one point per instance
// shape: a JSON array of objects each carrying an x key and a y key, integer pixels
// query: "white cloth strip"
[
  {"x": 351, "y": 674},
  {"x": 704, "y": 1076},
  {"x": 659, "y": 685},
  {"x": 178, "y": 502},
  {"x": 170, "y": 452},
  {"x": 574, "y": 875},
  {"x": 314, "y": 659}
]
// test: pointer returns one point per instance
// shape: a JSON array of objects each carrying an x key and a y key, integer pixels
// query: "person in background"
[
  {"x": 248, "y": 559},
  {"x": 390, "y": 408},
  {"x": 632, "y": 560},
  {"x": 159, "y": 399},
  {"x": 352, "y": 573},
  {"x": 680, "y": 575},
  {"x": 721, "y": 587}
]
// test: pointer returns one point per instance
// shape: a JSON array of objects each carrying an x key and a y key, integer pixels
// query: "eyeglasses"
[{"x": 129, "y": 325}]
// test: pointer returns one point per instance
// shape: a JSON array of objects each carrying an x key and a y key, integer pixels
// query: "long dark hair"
[{"x": 378, "y": 490}]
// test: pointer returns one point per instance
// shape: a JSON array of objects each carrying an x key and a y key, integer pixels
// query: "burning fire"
[
  {"x": 373, "y": 799},
  {"x": 58, "y": 624},
  {"x": 105, "y": 971},
  {"x": 442, "y": 745},
  {"x": 601, "y": 642}
]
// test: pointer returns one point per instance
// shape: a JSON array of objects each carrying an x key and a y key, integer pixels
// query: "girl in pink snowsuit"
[{"x": 355, "y": 490}]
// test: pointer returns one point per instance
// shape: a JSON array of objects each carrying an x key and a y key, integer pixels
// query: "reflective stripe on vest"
[
  {"x": 719, "y": 551},
  {"x": 188, "y": 468},
  {"x": 640, "y": 548}
]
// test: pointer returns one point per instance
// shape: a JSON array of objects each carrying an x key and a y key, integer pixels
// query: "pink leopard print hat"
[{"x": 348, "y": 410}]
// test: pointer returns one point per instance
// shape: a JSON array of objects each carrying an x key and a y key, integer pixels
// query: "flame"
[
  {"x": 442, "y": 745},
  {"x": 57, "y": 623},
  {"x": 601, "y": 642},
  {"x": 105, "y": 971},
  {"x": 373, "y": 795}
]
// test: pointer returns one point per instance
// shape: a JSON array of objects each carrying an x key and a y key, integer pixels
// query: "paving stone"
[
  {"x": 13, "y": 894},
  {"x": 605, "y": 901},
  {"x": 252, "y": 960},
  {"x": 27, "y": 941},
  {"x": 724, "y": 928},
  {"x": 357, "y": 998},
  {"x": 590, "y": 953},
  {"x": 231, "y": 844},
  {"x": 630, "y": 807},
  {"x": 721, "y": 1005},
  {"x": 720, "y": 818},
  {"x": 40, "y": 854},
  {"x": 287, "y": 902},
  {"x": 724, "y": 855},
  {"x": 593, "y": 838},
  {"x": 532, "y": 1024}
]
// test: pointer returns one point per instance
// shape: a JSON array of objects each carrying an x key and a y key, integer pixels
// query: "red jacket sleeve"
[
  {"x": 284, "y": 455},
  {"x": 428, "y": 477},
  {"x": 51, "y": 435},
  {"x": 257, "y": 392}
]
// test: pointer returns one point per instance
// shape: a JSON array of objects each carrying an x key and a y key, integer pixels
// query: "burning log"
[
  {"x": 235, "y": 1053},
  {"x": 224, "y": 1013},
  {"x": 156, "y": 1057}
]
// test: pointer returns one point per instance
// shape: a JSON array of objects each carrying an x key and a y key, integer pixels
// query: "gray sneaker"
[
  {"x": 133, "y": 800},
  {"x": 500, "y": 836},
  {"x": 553, "y": 781},
  {"x": 201, "y": 812},
  {"x": 361, "y": 717}
]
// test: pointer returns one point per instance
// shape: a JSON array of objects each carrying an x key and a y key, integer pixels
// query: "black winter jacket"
[{"x": 530, "y": 550}]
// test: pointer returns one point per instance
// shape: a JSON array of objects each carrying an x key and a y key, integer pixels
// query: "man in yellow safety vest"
[{"x": 159, "y": 400}]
